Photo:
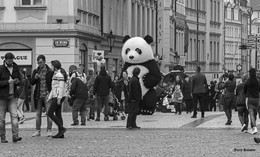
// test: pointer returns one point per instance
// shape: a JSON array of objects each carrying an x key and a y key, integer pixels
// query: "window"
[
  {"x": 211, "y": 9},
  {"x": 31, "y": 2}
]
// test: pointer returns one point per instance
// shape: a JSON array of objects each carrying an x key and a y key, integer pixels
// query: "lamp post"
[{"x": 111, "y": 41}]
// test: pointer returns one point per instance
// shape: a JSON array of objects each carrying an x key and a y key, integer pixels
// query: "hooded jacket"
[
  {"x": 103, "y": 83},
  {"x": 252, "y": 88}
]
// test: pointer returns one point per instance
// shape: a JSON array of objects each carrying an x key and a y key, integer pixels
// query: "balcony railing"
[{"x": 32, "y": 27}]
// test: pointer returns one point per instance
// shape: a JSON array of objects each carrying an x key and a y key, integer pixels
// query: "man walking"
[
  {"x": 79, "y": 89},
  {"x": 135, "y": 96},
  {"x": 199, "y": 88},
  {"x": 102, "y": 86},
  {"x": 42, "y": 77},
  {"x": 10, "y": 78}
]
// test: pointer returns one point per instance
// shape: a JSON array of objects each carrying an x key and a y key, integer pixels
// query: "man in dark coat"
[
  {"x": 187, "y": 96},
  {"x": 10, "y": 78},
  {"x": 42, "y": 77},
  {"x": 102, "y": 86},
  {"x": 199, "y": 91},
  {"x": 79, "y": 89},
  {"x": 135, "y": 96}
]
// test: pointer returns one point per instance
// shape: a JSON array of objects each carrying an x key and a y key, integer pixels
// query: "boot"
[
  {"x": 61, "y": 132},
  {"x": 134, "y": 123},
  {"x": 16, "y": 139},
  {"x": 3, "y": 139}
]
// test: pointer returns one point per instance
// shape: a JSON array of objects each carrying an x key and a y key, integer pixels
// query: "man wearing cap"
[{"x": 10, "y": 78}]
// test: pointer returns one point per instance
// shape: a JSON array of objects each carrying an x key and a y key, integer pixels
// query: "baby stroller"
[{"x": 114, "y": 106}]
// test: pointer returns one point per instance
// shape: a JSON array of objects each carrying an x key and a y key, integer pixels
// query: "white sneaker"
[
  {"x": 49, "y": 133},
  {"x": 37, "y": 133},
  {"x": 254, "y": 130},
  {"x": 21, "y": 120}
]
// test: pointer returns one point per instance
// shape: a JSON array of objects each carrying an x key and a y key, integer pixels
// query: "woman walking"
[
  {"x": 251, "y": 90},
  {"x": 57, "y": 95}
]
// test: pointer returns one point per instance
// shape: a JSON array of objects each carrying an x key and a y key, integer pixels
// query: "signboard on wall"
[
  {"x": 21, "y": 57},
  {"x": 61, "y": 42}
]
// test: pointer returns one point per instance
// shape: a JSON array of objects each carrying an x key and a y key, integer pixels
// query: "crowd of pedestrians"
[{"x": 89, "y": 94}]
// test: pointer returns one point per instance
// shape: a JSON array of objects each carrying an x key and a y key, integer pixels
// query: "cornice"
[{"x": 30, "y": 8}]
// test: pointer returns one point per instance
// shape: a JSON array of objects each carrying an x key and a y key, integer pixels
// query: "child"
[{"x": 177, "y": 99}]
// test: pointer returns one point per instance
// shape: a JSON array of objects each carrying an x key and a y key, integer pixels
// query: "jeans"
[
  {"x": 42, "y": 102},
  {"x": 243, "y": 115},
  {"x": 202, "y": 99},
  {"x": 102, "y": 101},
  {"x": 79, "y": 105},
  {"x": 229, "y": 103},
  {"x": 20, "y": 103},
  {"x": 11, "y": 106},
  {"x": 189, "y": 104},
  {"x": 56, "y": 108},
  {"x": 178, "y": 107}
]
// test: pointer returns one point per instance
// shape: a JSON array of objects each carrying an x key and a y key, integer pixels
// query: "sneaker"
[
  {"x": 254, "y": 130},
  {"x": 97, "y": 119},
  {"x": 49, "y": 133},
  {"x": 244, "y": 128},
  {"x": 83, "y": 124},
  {"x": 74, "y": 124},
  {"x": 37, "y": 133},
  {"x": 16, "y": 139},
  {"x": 106, "y": 118}
]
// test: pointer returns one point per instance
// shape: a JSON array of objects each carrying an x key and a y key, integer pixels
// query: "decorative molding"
[
  {"x": 30, "y": 8},
  {"x": 195, "y": 32},
  {"x": 215, "y": 34},
  {"x": 215, "y": 23}
]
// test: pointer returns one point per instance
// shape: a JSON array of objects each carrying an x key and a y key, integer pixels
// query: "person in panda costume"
[{"x": 137, "y": 52}]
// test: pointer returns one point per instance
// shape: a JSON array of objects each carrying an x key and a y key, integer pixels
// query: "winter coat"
[
  {"x": 78, "y": 88},
  {"x": 186, "y": 90},
  {"x": 4, "y": 78},
  {"x": 103, "y": 84}
]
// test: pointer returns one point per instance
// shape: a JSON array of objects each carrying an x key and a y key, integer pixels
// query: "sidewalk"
[{"x": 213, "y": 120}]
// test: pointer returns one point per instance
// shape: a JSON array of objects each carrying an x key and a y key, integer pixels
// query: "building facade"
[
  {"x": 205, "y": 21},
  {"x": 254, "y": 29},
  {"x": 70, "y": 31},
  {"x": 236, "y": 31},
  {"x": 169, "y": 46}
]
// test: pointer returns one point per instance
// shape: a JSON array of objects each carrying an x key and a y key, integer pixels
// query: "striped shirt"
[{"x": 58, "y": 86}]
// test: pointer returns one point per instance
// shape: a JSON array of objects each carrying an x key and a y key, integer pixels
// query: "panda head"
[{"x": 137, "y": 49}]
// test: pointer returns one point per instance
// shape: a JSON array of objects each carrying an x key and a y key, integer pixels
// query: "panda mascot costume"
[{"x": 137, "y": 52}]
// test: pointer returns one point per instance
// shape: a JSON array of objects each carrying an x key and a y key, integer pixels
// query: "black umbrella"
[{"x": 171, "y": 76}]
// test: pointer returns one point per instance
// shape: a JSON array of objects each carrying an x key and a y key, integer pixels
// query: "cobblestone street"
[
  {"x": 162, "y": 134},
  {"x": 145, "y": 142}
]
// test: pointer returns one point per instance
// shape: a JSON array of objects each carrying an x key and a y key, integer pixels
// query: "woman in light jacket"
[{"x": 57, "y": 94}]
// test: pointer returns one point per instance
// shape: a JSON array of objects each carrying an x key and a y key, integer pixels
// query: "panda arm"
[{"x": 152, "y": 78}]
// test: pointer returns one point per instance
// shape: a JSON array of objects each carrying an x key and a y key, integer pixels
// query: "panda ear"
[
  {"x": 126, "y": 38},
  {"x": 148, "y": 39}
]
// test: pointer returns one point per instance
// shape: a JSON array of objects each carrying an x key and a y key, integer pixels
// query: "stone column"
[
  {"x": 129, "y": 17},
  {"x": 140, "y": 20},
  {"x": 145, "y": 20}
]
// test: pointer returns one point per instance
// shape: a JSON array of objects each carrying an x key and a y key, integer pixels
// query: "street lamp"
[{"x": 111, "y": 40}]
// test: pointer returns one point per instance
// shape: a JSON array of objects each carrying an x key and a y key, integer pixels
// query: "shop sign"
[
  {"x": 21, "y": 57},
  {"x": 61, "y": 42}
]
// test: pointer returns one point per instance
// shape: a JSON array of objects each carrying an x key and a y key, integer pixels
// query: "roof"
[{"x": 255, "y": 4}]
